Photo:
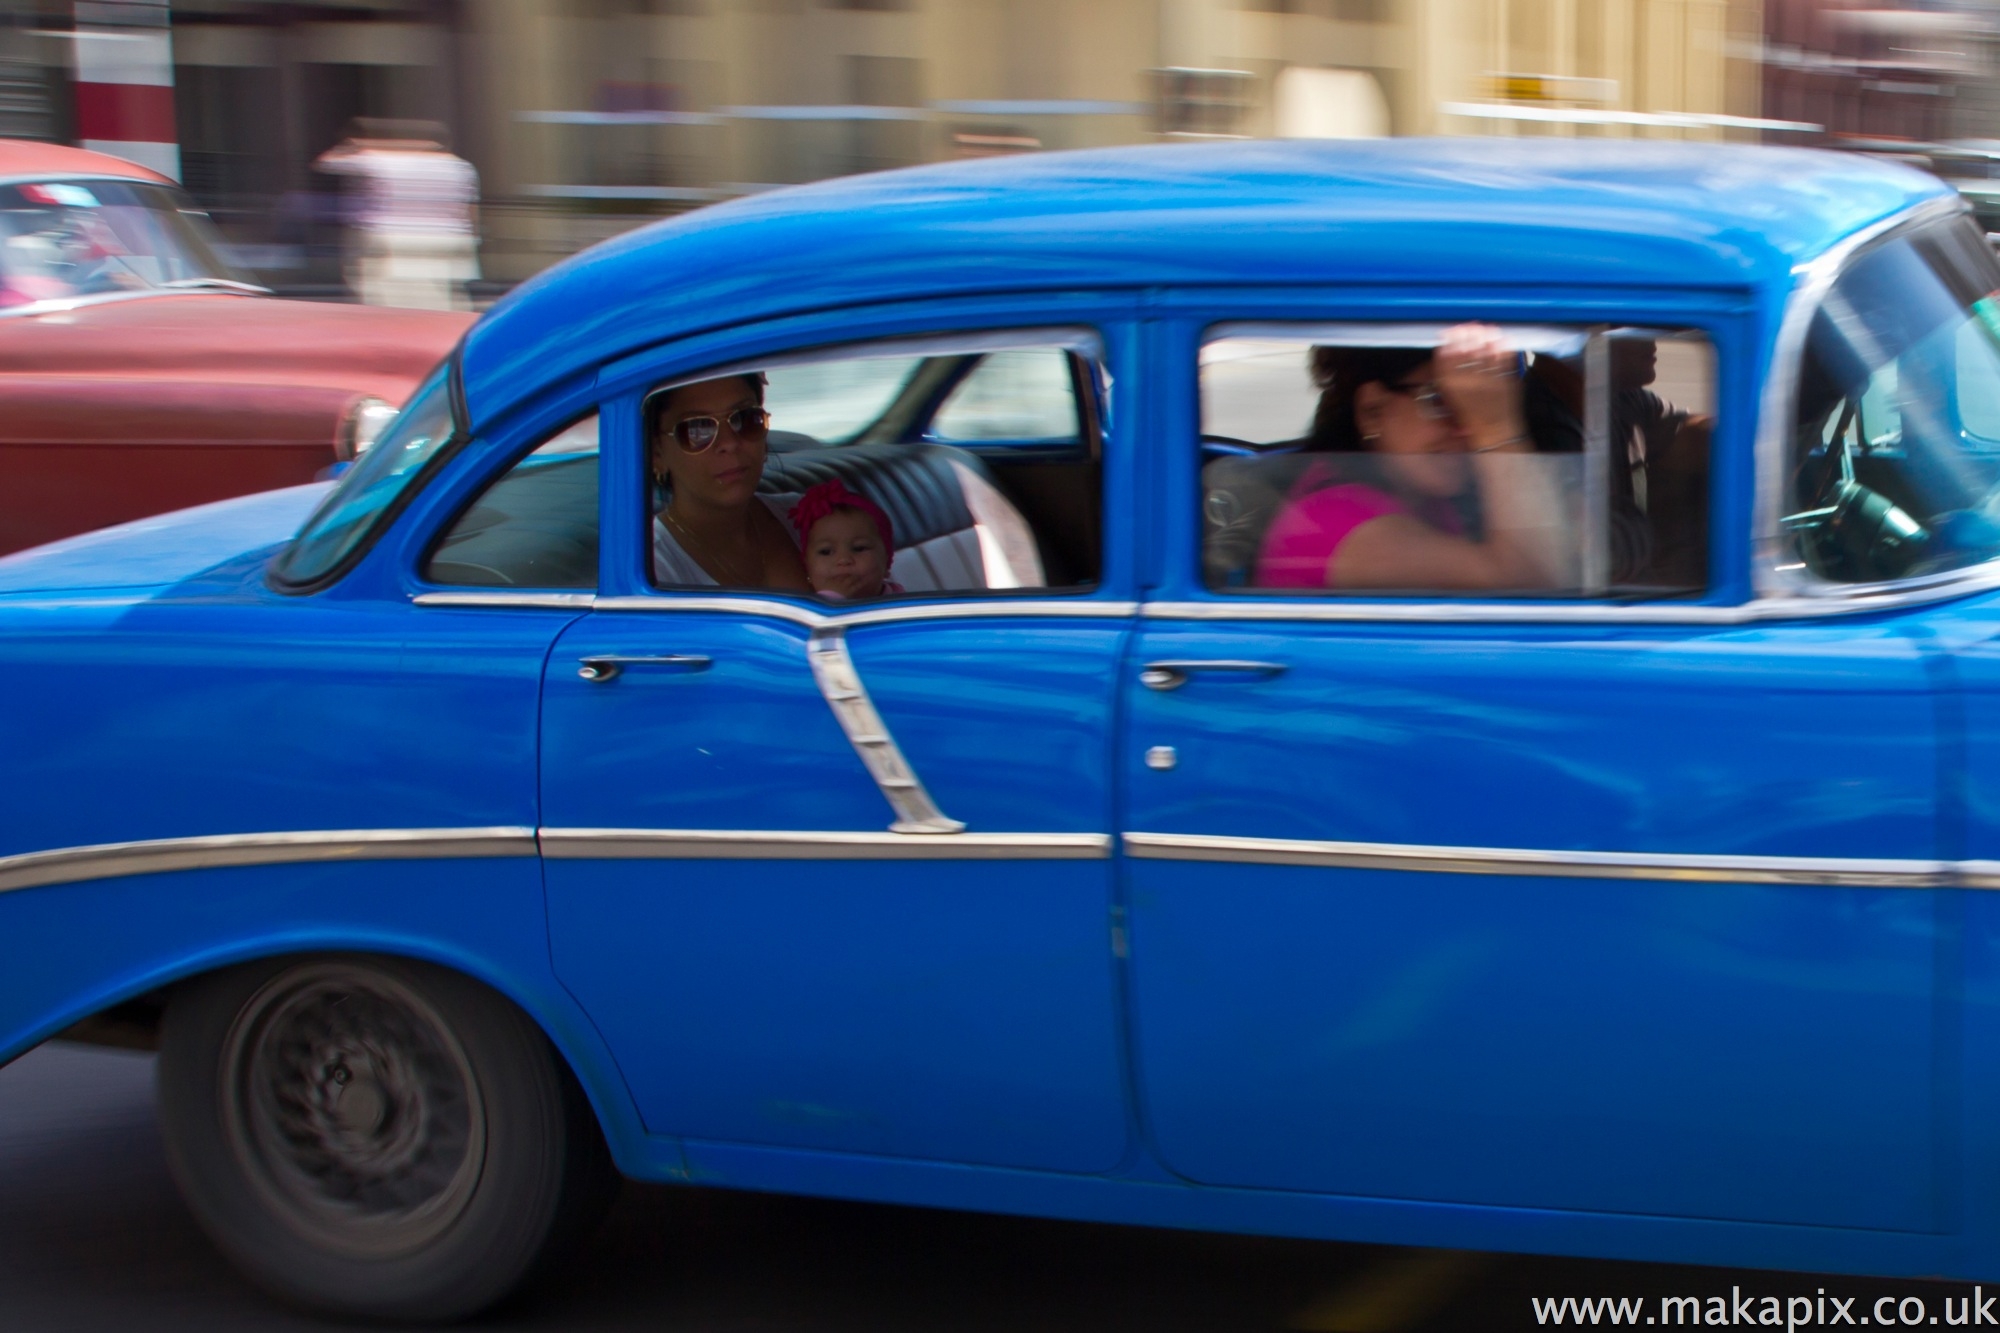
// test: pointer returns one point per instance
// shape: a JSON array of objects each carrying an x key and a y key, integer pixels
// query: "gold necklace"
[{"x": 697, "y": 550}]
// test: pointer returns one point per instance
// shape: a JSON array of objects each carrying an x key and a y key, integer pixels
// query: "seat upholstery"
[{"x": 954, "y": 529}]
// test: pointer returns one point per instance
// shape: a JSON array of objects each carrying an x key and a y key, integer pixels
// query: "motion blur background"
[{"x": 587, "y": 117}]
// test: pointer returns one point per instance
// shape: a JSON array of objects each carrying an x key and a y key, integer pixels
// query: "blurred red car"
[{"x": 140, "y": 373}]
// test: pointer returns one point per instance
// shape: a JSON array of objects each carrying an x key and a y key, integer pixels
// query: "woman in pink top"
[{"x": 1439, "y": 428}]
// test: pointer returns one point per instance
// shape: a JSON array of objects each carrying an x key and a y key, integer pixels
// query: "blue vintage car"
[{"x": 1428, "y": 692}]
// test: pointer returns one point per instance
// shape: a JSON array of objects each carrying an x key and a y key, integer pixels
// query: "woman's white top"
[{"x": 673, "y": 566}]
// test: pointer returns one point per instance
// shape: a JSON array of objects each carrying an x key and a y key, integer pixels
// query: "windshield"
[
  {"x": 367, "y": 496},
  {"x": 1896, "y": 457},
  {"x": 60, "y": 240}
]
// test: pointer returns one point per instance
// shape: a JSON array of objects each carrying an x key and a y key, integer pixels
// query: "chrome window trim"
[
  {"x": 1824, "y": 871},
  {"x": 792, "y": 612},
  {"x": 1866, "y": 598},
  {"x": 1771, "y": 580},
  {"x": 65, "y": 865},
  {"x": 893, "y": 613},
  {"x": 587, "y": 844},
  {"x": 572, "y": 601}
]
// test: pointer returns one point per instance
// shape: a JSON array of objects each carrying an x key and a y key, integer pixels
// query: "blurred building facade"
[{"x": 586, "y": 117}]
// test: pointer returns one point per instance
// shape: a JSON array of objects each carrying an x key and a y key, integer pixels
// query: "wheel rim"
[{"x": 353, "y": 1109}]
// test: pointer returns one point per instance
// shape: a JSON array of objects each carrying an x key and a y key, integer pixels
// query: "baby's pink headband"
[{"x": 828, "y": 496}]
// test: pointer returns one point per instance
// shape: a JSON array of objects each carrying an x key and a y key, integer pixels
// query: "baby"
[{"x": 847, "y": 542}]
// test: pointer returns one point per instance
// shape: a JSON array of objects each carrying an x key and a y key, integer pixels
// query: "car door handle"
[
  {"x": 1173, "y": 675},
  {"x": 604, "y": 666}
]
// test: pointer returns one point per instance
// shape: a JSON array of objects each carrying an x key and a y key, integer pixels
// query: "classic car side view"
[
  {"x": 140, "y": 373},
  {"x": 1427, "y": 692}
]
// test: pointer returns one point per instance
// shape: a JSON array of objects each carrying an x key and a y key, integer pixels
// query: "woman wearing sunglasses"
[
  {"x": 1429, "y": 491},
  {"x": 708, "y": 456}
]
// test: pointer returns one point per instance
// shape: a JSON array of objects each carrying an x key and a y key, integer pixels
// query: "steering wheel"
[{"x": 1851, "y": 533}]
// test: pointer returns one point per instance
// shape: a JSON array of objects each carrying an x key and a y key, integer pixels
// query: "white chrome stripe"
[
  {"x": 1361, "y": 610},
  {"x": 1003, "y": 607},
  {"x": 1820, "y": 870},
  {"x": 106, "y": 860},
  {"x": 571, "y": 601},
  {"x": 570, "y": 844},
  {"x": 792, "y": 612},
  {"x": 840, "y": 685}
]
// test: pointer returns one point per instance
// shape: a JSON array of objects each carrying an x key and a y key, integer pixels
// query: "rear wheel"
[{"x": 375, "y": 1136}]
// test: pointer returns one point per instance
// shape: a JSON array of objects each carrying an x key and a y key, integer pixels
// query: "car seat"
[{"x": 954, "y": 528}]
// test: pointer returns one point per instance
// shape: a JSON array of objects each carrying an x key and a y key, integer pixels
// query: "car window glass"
[
  {"x": 834, "y": 401},
  {"x": 65, "y": 239},
  {"x": 932, "y": 438},
  {"x": 1978, "y": 391},
  {"x": 1355, "y": 459},
  {"x": 535, "y": 527},
  {"x": 367, "y": 494},
  {"x": 1024, "y": 394},
  {"x": 1895, "y": 470}
]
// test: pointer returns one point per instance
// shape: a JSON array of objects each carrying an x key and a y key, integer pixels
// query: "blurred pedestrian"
[{"x": 413, "y": 236}]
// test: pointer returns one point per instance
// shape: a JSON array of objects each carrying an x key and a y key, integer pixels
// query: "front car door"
[
  {"x": 1598, "y": 897},
  {"x": 837, "y": 875}
]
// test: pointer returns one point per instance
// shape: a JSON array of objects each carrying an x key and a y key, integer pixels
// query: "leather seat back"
[{"x": 954, "y": 529}]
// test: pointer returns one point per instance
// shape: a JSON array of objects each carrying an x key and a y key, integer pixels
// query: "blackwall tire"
[{"x": 374, "y": 1136}]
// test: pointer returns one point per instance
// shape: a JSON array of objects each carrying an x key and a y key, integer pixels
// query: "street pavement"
[{"x": 93, "y": 1237}]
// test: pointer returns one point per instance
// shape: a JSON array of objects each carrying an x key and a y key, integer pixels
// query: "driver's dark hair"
[{"x": 1340, "y": 372}]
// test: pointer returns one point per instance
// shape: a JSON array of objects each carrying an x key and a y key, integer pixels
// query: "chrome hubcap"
[{"x": 355, "y": 1109}]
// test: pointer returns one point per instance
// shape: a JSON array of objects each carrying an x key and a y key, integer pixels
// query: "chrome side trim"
[
  {"x": 67, "y": 865},
  {"x": 840, "y": 684},
  {"x": 564, "y": 601},
  {"x": 794, "y": 613},
  {"x": 1808, "y": 870},
  {"x": 591, "y": 844}
]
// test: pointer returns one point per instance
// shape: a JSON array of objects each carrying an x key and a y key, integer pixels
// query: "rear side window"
[
  {"x": 955, "y": 463},
  {"x": 1456, "y": 460},
  {"x": 369, "y": 494},
  {"x": 536, "y": 527}
]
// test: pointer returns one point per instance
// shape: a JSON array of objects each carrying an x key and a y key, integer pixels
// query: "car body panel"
[{"x": 1558, "y": 1055}]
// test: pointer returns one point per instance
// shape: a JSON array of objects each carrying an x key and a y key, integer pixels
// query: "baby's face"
[{"x": 844, "y": 555}]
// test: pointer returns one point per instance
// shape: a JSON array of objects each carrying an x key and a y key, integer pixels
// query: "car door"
[
  {"x": 838, "y": 875},
  {"x": 1536, "y": 902}
]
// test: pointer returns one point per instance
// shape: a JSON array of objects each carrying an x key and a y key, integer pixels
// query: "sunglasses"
[{"x": 695, "y": 434}]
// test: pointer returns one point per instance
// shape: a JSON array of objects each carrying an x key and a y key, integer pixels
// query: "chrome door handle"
[
  {"x": 1173, "y": 675},
  {"x": 603, "y": 666}
]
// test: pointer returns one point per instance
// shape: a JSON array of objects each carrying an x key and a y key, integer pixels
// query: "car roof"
[
  {"x": 25, "y": 159},
  {"x": 1523, "y": 211}
]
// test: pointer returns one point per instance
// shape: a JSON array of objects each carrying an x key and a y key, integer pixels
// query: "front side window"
[
  {"x": 879, "y": 470},
  {"x": 368, "y": 495},
  {"x": 1456, "y": 460},
  {"x": 536, "y": 527},
  {"x": 1895, "y": 464}
]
